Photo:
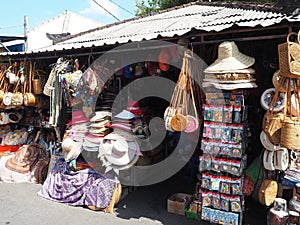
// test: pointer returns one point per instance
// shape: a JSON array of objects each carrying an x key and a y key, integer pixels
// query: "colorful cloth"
[{"x": 83, "y": 187}]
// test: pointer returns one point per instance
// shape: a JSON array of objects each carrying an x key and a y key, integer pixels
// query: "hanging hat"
[
  {"x": 152, "y": 68},
  {"x": 128, "y": 72},
  {"x": 134, "y": 107},
  {"x": 78, "y": 116},
  {"x": 163, "y": 59},
  {"x": 71, "y": 149},
  {"x": 230, "y": 58},
  {"x": 138, "y": 69}
]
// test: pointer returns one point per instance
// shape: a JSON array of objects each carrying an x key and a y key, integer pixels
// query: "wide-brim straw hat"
[
  {"x": 230, "y": 58},
  {"x": 221, "y": 86},
  {"x": 71, "y": 149},
  {"x": 121, "y": 152},
  {"x": 100, "y": 116}
]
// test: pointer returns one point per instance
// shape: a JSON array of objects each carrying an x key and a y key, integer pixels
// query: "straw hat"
[
  {"x": 231, "y": 86},
  {"x": 119, "y": 151},
  {"x": 100, "y": 115},
  {"x": 230, "y": 58},
  {"x": 71, "y": 149}
]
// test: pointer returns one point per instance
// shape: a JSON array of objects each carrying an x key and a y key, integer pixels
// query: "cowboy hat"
[
  {"x": 230, "y": 58},
  {"x": 71, "y": 149}
]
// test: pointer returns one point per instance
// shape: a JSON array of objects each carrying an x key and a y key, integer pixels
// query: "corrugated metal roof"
[{"x": 178, "y": 21}]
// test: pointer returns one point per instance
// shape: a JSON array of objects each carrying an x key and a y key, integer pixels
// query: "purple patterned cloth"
[{"x": 83, "y": 187}]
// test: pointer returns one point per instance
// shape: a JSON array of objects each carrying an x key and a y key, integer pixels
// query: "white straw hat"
[
  {"x": 230, "y": 58},
  {"x": 71, "y": 149}
]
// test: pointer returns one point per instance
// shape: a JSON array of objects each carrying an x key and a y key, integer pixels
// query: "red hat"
[
  {"x": 134, "y": 107},
  {"x": 78, "y": 116}
]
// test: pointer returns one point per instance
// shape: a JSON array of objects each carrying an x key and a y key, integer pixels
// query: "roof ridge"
[
  {"x": 126, "y": 20},
  {"x": 265, "y": 7}
]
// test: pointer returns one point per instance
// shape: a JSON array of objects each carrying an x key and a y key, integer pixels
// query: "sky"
[{"x": 39, "y": 11}]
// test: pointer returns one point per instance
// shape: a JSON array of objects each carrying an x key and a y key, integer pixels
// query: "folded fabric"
[{"x": 80, "y": 188}]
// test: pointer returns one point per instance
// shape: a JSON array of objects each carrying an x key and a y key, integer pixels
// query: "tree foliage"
[
  {"x": 146, "y": 8},
  {"x": 149, "y": 6}
]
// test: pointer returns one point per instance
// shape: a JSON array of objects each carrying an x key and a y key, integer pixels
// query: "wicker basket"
[
  {"x": 290, "y": 134},
  {"x": 289, "y": 65},
  {"x": 275, "y": 138},
  {"x": 267, "y": 192},
  {"x": 272, "y": 122}
]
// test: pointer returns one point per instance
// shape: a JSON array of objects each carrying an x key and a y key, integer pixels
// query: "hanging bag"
[
  {"x": 290, "y": 131},
  {"x": 7, "y": 96},
  {"x": 289, "y": 59},
  {"x": 17, "y": 96},
  {"x": 2, "y": 79},
  {"x": 272, "y": 121},
  {"x": 179, "y": 121},
  {"x": 29, "y": 97},
  {"x": 37, "y": 83}
]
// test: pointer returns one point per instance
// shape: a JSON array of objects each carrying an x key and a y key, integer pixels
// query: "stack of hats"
[
  {"x": 232, "y": 69},
  {"x": 78, "y": 125},
  {"x": 123, "y": 120},
  {"x": 119, "y": 151},
  {"x": 98, "y": 128},
  {"x": 100, "y": 123}
]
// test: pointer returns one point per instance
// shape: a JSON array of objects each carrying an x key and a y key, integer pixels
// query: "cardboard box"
[{"x": 178, "y": 202}]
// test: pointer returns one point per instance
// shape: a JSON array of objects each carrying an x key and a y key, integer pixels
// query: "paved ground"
[{"x": 20, "y": 205}]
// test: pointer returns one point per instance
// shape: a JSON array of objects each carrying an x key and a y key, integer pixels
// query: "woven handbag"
[
  {"x": 29, "y": 97},
  {"x": 268, "y": 192},
  {"x": 2, "y": 85},
  {"x": 290, "y": 131},
  {"x": 37, "y": 83},
  {"x": 289, "y": 59},
  {"x": 17, "y": 96}
]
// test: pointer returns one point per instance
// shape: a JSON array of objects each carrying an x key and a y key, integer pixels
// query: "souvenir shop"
[{"x": 64, "y": 116}]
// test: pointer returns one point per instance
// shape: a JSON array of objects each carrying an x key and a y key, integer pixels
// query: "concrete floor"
[{"x": 20, "y": 205}]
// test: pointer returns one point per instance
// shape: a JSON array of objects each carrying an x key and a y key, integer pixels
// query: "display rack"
[{"x": 223, "y": 157}]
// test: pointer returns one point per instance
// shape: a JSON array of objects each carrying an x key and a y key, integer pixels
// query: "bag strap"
[
  {"x": 17, "y": 86},
  {"x": 30, "y": 77}
]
